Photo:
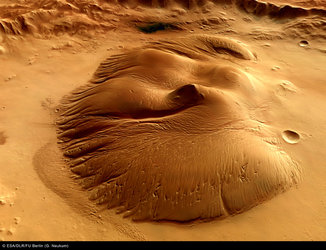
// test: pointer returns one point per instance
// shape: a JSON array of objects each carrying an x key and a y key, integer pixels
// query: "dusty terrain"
[{"x": 49, "y": 48}]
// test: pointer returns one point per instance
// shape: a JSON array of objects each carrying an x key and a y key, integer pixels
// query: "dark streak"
[{"x": 2, "y": 138}]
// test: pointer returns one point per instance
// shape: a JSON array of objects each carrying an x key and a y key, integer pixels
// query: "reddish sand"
[{"x": 49, "y": 48}]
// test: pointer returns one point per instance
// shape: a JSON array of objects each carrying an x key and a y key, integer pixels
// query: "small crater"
[
  {"x": 2, "y": 138},
  {"x": 303, "y": 43},
  {"x": 290, "y": 136},
  {"x": 286, "y": 87},
  {"x": 17, "y": 220},
  {"x": 275, "y": 68},
  {"x": 11, "y": 231}
]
